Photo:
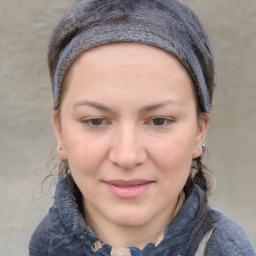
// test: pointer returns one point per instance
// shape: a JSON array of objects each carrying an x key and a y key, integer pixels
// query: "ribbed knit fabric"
[
  {"x": 196, "y": 230},
  {"x": 166, "y": 24}
]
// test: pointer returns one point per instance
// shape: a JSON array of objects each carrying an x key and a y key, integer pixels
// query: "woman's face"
[{"x": 129, "y": 129}]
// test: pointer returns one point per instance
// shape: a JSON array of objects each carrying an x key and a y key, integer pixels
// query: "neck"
[{"x": 138, "y": 236}]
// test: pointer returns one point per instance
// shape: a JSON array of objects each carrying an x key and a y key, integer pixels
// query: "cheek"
[
  {"x": 85, "y": 155},
  {"x": 175, "y": 167},
  {"x": 173, "y": 156}
]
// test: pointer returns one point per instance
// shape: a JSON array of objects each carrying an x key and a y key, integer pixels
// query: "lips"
[{"x": 128, "y": 189}]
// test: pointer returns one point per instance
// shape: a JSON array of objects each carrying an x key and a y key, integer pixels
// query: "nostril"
[{"x": 127, "y": 160}]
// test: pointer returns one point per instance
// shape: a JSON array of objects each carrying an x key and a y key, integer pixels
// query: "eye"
[
  {"x": 160, "y": 121},
  {"x": 95, "y": 122}
]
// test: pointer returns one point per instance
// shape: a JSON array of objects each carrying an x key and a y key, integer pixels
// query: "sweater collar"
[{"x": 68, "y": 210}]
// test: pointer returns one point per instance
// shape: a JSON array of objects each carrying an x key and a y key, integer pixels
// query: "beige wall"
[{"x": 25, "y": 134}]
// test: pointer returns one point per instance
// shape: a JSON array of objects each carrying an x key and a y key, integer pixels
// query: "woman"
[{"x": 132, "y": 88}]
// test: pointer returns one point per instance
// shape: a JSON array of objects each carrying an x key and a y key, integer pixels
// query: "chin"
[
  {"x": 130, "y": 218},
  {"x": 130, "y": 222}
]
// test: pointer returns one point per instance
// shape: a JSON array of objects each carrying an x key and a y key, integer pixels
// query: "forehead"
[
  {"x": 126, "y": 67},
  {"x": 128, "y": 55},
  {"x": 136, "y": 51}
]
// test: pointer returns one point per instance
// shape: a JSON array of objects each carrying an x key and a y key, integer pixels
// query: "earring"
[
  {"x": 59, "y": 147},
  {"x": 203, "y": 146}
]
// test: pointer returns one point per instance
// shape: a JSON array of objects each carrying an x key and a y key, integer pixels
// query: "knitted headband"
[{"x": 166, "y": 24}]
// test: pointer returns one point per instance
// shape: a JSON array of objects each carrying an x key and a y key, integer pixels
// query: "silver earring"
[
  {"x": 203, "y": 146},
  {"x": 59, "y": 147}
]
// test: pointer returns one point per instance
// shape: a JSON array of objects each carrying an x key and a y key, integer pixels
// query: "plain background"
[{"x": 26, "y": 140}]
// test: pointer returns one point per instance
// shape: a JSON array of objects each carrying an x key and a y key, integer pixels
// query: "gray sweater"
[{"x": 197, "y": 230}]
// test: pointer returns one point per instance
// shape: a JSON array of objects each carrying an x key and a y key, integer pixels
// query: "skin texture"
[{"x": 129, "y": 116}]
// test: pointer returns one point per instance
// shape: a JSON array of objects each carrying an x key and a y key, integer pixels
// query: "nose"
[{"x": 127, "y": 149}]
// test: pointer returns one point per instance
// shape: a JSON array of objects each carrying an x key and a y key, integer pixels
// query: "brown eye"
[
  {"x": 159, "y": 121},
  {"x": 94, "y": 122},
  {"x": 97, "y": 121}
]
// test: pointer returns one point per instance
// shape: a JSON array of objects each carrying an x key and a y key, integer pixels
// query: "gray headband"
[{"x": 166, "y": 24}]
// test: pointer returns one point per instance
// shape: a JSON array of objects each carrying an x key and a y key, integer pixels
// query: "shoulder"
[
  {"x": 40, "y": 239},
  {"x": 51, "y": 237},
  {"x": 228, "y": 238}
]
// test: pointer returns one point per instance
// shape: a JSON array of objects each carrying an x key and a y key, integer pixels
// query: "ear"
[
  {"x": 56, "y": 125},
  {"x": 203, "y": 124}
]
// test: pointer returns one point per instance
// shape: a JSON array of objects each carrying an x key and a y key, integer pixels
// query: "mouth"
[{"x": 128, "y": 189}]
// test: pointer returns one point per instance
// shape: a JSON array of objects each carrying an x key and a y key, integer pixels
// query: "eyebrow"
[
  {"x": 102, "y": 107},
  {"x": 153, "y": 107},
  {"x": 92, "y": 104}
]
